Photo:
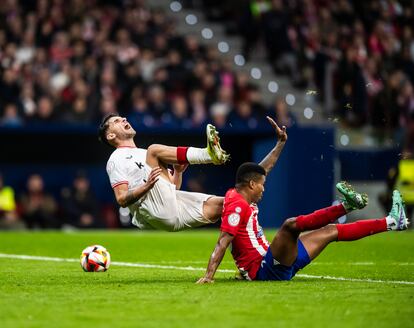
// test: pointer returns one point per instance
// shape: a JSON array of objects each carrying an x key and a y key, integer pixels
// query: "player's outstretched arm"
[
  {"x": 126, "y": 197},
  {"x": 270, "y": 160},
  {"x": 216, "y": 257}
]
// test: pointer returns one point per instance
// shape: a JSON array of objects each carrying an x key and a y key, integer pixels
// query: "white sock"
[
  {"x": 391, "y": 225},
  {"x": 198, "y": 156}
]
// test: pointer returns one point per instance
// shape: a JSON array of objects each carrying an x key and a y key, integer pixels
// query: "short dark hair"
[
  {"x": 249, "y": 171},
  {"x": 103, "y": 127}
]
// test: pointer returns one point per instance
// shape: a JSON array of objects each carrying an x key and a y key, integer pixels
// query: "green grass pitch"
[{"x": 36, "y": 293}]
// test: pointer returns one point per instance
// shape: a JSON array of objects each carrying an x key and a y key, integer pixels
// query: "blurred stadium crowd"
[
  {"x": 358, "y": 55},
  {"x": 76, "y": 61},
  {"x": 73, "y": 62}
]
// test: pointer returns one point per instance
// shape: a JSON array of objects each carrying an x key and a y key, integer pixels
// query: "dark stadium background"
[{"x": 328, "y": 146}]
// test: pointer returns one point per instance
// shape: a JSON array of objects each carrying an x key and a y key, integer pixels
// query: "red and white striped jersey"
[{"x": 249, "y": 245}]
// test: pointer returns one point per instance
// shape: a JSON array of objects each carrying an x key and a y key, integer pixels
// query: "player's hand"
[
  {"x": 280, "y": 132},
  {"x": 205, "y": 280},
  {"x": 180, "y": 168},
  {"x": 153, "y": 177}
]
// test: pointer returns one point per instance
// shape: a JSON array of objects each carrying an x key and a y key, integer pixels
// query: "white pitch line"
[
  {"x": 363, "y": 263},
  {"x": 157, "y": 266},
  {"x": 399, "y": 282},
  {"x": 190, "y": 268},
  {"x": 126, "y": 264}
]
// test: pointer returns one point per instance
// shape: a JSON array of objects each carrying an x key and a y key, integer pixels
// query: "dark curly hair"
[
  {"x": 103, "y": 127},
  {"x": 249, "y": 171}
]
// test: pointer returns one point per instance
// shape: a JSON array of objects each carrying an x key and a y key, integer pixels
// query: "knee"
[
  {"x": 289, "y": 225},
  {"x": 212, "y": 209},
  {"x": 219, "y": 201}
]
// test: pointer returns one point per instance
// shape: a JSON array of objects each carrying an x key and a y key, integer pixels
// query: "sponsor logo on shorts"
[
  {"x": 275, "y": 262},
  {"x": 234, "y": 219}
]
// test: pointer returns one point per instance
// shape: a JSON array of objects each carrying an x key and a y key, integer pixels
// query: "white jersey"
[
  {"x": 128, "y": 165},
  {"x": 163, "y": 207}
]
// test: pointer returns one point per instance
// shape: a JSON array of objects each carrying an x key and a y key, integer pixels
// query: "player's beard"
[
  {"x": 259, "y": 198},
  {"x": 128, "y": 134}
]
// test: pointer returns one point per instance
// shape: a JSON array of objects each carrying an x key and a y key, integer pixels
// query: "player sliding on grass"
[
  {"x": 289, "y": 251},
  {"x": 140, "y": 178}
]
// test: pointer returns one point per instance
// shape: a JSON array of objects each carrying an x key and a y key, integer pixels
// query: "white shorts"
[{"x": 165, "y": 208}]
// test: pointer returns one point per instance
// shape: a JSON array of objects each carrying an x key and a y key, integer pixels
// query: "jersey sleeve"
[
  {"x": 233, "y": 215},
  {"x": 116, "y": 173}
]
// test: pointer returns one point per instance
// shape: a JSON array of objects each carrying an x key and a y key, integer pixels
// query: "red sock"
[
  {"x": 320, "y": 218},
  {"x": 360, "y": 229},
  {"x": 182, "y": 155}
]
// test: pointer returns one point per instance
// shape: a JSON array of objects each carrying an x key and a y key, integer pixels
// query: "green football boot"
[
  {"x": 352, "y": 200},
  {"x": 217, "y": 154},
  {"x": 397, "y": 213}
]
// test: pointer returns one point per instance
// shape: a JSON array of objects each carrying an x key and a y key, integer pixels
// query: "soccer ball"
[{"x": 95, "y": 259}]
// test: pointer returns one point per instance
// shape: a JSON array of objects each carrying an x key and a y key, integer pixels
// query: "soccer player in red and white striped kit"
[{"x": 290, "y": 250}]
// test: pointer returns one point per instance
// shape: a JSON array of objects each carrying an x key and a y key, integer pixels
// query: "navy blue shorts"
[{"x": 270, "y": 269}]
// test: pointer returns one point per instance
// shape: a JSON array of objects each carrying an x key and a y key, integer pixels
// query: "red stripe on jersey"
[
  {"x": 119, "y": 183},
  {"x": 261, "y": 238},
  {"x": 249, "y": 245}
]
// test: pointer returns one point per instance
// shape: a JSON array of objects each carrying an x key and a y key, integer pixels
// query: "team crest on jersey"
[
  {"x": 234, "y": 219},
  {"x": 238, "y": 209}
]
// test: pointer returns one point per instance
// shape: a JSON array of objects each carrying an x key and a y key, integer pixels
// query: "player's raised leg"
[
  {"x": 213, "y": 153},
  {"x": 284, "y": 246},
  {"x": 315, "y": 241}
]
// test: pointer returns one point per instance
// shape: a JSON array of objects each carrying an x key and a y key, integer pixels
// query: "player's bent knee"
[
  {"x": 212, "y": 208},
  {"x": 289, "y": 224}
]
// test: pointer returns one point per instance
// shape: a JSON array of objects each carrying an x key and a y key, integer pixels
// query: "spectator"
[
  {"x": 198, "y": 107},
  {"x": 180, "y": 116},
  {"x": 242, "y": 118},
  {"x": 78, "y": 112},
  {"x": 281, "y": 114},
  {"x": 8, "y": 211},
  {"x": 80, "y": 207},
  {"x": 139, "y": 114},
  {"x": 45, "y": 111},
  {"x": 38, "y": 208},
  {"x": 158, "y": 104},
  {"x": 10, "y": 117},
  {"x": 26, "y": 101},
  {"x": 219, "y": 113}
]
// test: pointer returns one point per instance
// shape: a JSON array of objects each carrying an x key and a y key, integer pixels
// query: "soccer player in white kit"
[{"x": 142, "y": 182}]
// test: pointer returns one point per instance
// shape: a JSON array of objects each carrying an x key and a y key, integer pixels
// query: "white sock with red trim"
[{"x": 198, "y": 156}]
